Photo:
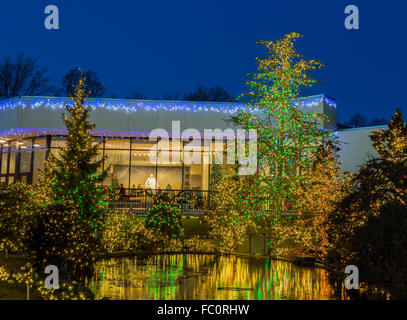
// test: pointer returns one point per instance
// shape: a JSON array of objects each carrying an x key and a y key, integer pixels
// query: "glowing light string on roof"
[{"x": 145, "y": 105}]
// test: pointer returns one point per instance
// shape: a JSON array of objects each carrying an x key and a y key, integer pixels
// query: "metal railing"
[
  {"x": 140, "y": 200},
  {"x": 189, "y": 201}
]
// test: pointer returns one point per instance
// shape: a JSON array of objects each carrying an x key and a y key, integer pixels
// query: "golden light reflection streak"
[{"x": 209, "y": 277}]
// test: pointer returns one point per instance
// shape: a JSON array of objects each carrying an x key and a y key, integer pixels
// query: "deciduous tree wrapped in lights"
[
  {"x": 287, "y": 137},
  {"x": 321, "y": 188}
]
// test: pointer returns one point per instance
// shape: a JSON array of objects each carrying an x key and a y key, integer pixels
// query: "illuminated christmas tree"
[
  {"x": 67, "y": 230},
  {"x": 75, "y": 175},
  {"x": 287, "y": 137}
]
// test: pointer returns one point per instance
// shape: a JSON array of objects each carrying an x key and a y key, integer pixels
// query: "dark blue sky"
[{"x": 158, "y": 46}]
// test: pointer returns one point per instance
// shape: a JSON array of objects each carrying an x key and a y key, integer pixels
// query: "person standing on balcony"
[{"x": 151, "y": 183}]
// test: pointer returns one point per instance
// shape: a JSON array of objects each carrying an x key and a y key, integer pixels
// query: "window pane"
[
  {"x": 118, "y": 144},
  {"x": 4, "y": 161},
  {"x": 25, "y": 160},
  {"x": 39, "y": 159},
  {"x": 169, "y": 170},
  {"x": 143, "y": 165},
  {"x": 119, "y": 168},
  {"x": 12, "y": 160},
  {"x": 40, "y": 142},
  {"x": 58, "y": 142},
  {"x": 141, "y": 145}
]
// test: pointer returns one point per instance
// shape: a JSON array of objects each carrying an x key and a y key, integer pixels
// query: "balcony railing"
[
  {"x": 140, "y": 200},
  {"x": 189, "y": 201}
]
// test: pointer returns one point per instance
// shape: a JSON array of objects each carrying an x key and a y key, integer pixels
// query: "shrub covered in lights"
[
  {"x": 228, "y": 217},
  {"x": 18, "y": 203},
  {"x": 125, "y": 231},
  {"x": 27, "y": 275},
  {"x": 164, "y": 217},
  {"x": 58, "y": 237}
]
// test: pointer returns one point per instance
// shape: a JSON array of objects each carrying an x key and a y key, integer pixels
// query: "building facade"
[{"x": 31, "y": 128}]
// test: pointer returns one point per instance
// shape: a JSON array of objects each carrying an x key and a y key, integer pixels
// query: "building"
[
  {"x": 356, "y": 146},
  {"x": 32, "y": 127}
]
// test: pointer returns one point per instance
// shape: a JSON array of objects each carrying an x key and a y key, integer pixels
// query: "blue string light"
[{"x": 145, "y": 105}]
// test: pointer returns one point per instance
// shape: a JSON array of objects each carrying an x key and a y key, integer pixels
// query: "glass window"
[
  {"x": 40, "y": 143},
  {"x": 4, "y": 161},
  {"x": 25, "y": 160},
  {"x": 193, "y": 177},
  {"x": 143, "y": 144},
  {"x": 143, "y": 165},
  {"x": 195, "y": 170},
  {"x": 119, "y": 162},
  {"x": 39, "y": 159},
  {"x": 58, "y": 142},
  {"x": 169, "y": 170},
  {"x": 12, "y": 160},
  {"x": 117, "y": 144},
  {"x": 140, "y": 177},
  {"x": 169, "y": 177}
]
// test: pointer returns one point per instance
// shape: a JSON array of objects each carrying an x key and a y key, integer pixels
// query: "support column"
[
  {"x": 30, "y": 178},
  {"x": 47, "y": 145},
  {"x": 17, "y": 176},
  {"x": 8, "y": 162},
  {"x": 1, "y": 157}
]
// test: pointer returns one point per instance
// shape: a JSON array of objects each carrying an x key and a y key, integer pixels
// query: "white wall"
[
  {"x": 356, "y": 147},
  {"x": 34, "y": 113}
]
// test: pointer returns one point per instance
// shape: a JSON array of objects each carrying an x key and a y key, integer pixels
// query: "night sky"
[{"x": 158, "y": 46}]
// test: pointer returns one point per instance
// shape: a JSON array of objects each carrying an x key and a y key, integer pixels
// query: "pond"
[{"x": 201, "y": 276}]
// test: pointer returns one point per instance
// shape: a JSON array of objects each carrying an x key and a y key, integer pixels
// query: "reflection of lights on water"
[{"x": 194, "y": 276}]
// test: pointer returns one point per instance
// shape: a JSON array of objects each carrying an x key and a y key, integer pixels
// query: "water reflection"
[{"x": 194, "y": 276}]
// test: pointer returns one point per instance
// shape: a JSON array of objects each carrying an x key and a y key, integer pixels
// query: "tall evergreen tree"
[
  {"x": 376, "y": 200},
  {"x": 75, "y": 173},
  {"x": 67, "y": 231}
]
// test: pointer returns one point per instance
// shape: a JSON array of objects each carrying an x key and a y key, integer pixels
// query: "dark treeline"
[
  {"x": 359, "y": 120},
  {"x": 23, "y": 76}
]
